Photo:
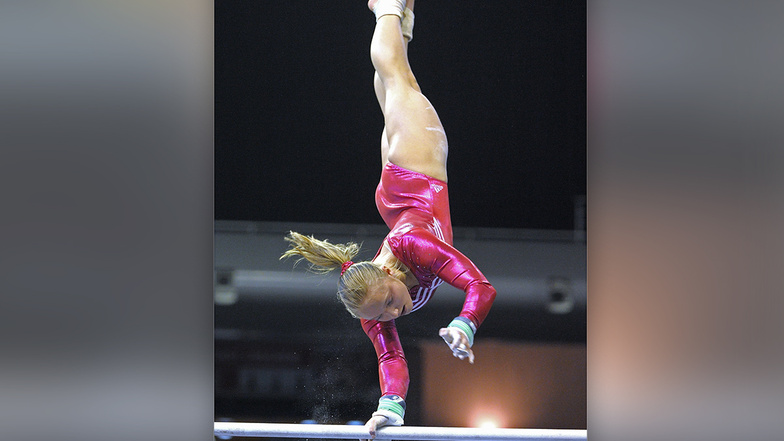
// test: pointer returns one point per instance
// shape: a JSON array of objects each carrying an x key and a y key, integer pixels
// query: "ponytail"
[
  {"x": 322, "y": 255},
  {"x": 325, "y": 257}
]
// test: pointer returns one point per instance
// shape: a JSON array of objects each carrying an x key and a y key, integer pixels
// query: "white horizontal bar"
[{"x": 402, "y": 433}]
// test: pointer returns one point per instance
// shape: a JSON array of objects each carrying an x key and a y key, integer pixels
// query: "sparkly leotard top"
[{"x": 415, "y": 207}]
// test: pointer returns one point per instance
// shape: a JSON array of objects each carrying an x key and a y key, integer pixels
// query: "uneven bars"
[{"x": 402, "y": 433}]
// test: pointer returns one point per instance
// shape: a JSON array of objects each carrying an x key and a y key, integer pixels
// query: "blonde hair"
[{"x": 325, "y": 257}]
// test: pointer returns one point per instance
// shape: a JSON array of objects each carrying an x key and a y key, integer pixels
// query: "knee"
[
  {"x": 413, "y": 83},
  {"x": 385, "y": 61},
  {"x": 401, "y": 82},
  {"x": 408, "y": 80}
]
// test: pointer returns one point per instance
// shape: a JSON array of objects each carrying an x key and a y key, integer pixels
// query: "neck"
[{"x": 387, "y": 258}]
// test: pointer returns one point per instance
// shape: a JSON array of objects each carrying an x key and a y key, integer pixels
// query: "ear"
[{"x": 394, "y": 272}]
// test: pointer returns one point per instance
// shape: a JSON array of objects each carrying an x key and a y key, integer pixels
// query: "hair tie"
[{"x": 345, "y": 266}]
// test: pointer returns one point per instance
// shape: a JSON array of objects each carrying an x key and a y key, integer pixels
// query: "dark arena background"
[{"x": 297, "y": 132}]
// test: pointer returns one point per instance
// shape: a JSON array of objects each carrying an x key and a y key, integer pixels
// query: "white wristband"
[{"x": 394, "y": 419}]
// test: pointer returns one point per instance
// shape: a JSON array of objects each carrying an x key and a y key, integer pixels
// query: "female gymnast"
[{"x": 412, "y": 197}]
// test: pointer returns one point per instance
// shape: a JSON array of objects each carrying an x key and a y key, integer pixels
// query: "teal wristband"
[
  {"x": 459, "y": 323},
  {"x": 392, "y": 407}
]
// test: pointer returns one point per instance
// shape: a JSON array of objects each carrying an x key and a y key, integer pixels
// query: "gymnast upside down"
[{"x": 412, "y": 197}]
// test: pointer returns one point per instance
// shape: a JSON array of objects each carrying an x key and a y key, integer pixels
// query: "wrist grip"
[
  {"x": 393, "y": 408},
  {"x": 466, "y": 326}
]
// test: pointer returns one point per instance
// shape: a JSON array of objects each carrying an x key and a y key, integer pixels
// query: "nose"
[{"x": 396, "y": 312}]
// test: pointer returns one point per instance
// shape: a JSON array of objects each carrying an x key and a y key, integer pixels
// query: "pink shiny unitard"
[{"x": 415, "y": 207}]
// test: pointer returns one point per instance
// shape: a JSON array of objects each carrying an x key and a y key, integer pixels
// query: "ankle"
[{"x": 387, "y": 7}]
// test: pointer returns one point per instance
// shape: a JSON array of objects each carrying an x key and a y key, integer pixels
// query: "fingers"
[
  {"x": 451, "y": 336},
  {"x": 373, "y": 424},
  {"x": 462, "y": 352},
  {"x": 458, "y": 343}
]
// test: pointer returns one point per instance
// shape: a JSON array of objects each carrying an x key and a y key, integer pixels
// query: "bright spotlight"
[{"x": 487, "y": 422}]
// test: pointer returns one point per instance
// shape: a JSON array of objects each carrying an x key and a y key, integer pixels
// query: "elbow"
[
  {"x": 487, "y": 291},
  {"x": 392, "y": 357}
]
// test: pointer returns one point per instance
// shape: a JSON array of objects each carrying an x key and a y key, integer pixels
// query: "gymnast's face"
[{"x": 386, "y": 300}]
